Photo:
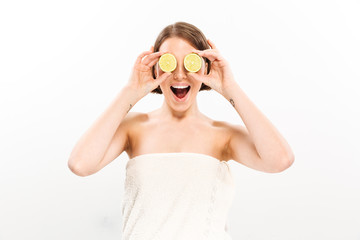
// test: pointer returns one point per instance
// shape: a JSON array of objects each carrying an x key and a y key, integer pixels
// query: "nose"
[{"x": 179, "y": 72}]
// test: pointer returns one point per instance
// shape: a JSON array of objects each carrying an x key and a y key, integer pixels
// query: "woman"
[{"x": 178, "y": 183}]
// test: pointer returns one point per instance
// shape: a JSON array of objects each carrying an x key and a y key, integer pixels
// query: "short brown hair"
[{"x": 189, "y": 33}]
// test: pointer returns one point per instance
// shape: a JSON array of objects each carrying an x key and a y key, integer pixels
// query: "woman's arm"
[
  {"x": 261, "y": 146},
  {"x": 99, "y": 141},
  {"x": 93, "y": 144}
]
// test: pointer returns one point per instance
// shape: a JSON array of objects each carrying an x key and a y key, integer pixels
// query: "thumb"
[
  {"x": 194, "y": 76},
  {"x": 162, "y": 78}
]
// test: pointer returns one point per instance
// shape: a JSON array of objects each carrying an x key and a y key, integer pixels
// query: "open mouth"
[{"x": 180, "y": 92}]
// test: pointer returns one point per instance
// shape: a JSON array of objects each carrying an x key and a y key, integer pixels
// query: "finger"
[
  {"x": 162, "y": 78},
  {"x": 212, "y": 45},
  {"x": 152, "y": 57},
  {"x": 140, "y": 57},
  {"x": 195, "y": 76},
  {"x": 200, "y": 53},
  {"x": 211, "y": 55},
  {"x": 153, "y": 62}
]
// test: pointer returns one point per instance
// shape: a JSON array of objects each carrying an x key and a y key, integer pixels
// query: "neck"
[{"x": 179, "y": 113}]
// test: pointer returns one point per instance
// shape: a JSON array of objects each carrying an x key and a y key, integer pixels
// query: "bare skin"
[
  {"x": 151, "y": 133},
  {"x": 179, "y": 126}
]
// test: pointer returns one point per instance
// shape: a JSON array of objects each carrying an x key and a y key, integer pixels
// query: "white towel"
[{"x": 176, "y": 196}]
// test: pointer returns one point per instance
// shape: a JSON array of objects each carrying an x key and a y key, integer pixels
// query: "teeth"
[{"x": 180, "y": 86}]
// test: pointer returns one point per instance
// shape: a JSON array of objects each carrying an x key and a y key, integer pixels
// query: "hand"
[
  {"x": 220, "y": 76},
  {"x": 141, "y": 80}
]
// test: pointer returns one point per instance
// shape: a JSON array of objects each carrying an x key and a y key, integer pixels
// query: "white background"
[{"x": 63, "y": 62}]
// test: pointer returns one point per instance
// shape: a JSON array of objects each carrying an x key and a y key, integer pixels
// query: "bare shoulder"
[
  {"x": 229, "y": 130},
  {"x": 132, "y": 119},
  {"x": 129, "y": 119}
]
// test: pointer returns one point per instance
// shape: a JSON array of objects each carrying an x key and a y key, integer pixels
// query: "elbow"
[
  {"x": 282, "y": 164},
  {"x": 286, "y": 162},
  {"x": 77, "y": 169}
]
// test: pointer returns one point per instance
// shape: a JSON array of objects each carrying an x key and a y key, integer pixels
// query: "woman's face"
[{"x": 180, "y": 76}]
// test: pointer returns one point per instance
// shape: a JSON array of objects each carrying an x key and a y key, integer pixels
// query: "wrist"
[
  {"x": 131, "y": 93},
  {"x": 229, "y": 87}
]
